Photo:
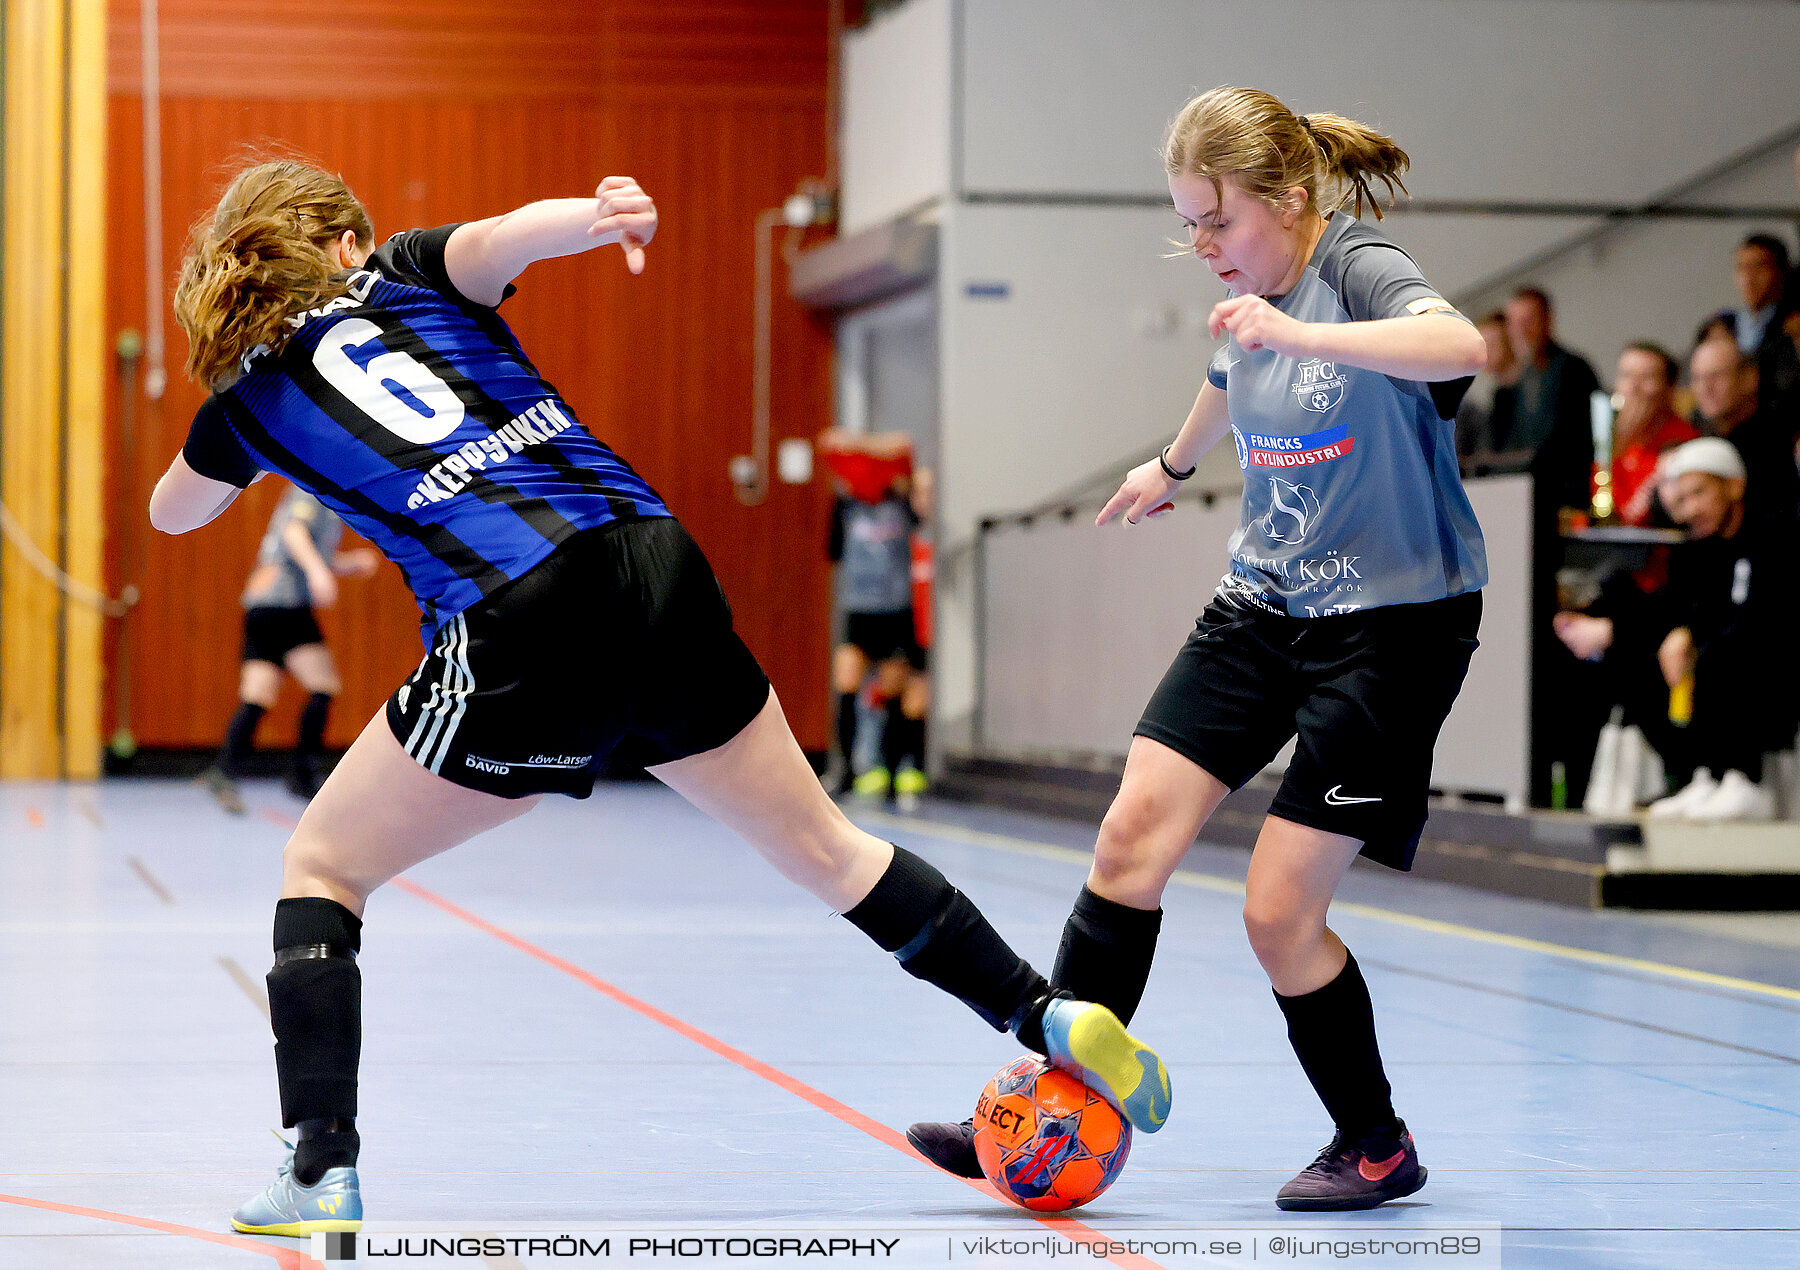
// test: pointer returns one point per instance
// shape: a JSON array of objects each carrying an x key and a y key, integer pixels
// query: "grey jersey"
[
  {"x": 278, "y": 581},
  {"x": 1352, "y": 494},
  {"x": 872, "y": 544}
]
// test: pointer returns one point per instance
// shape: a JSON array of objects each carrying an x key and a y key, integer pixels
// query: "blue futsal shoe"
[
  {"x": 333, "y": 1203},
  {"x": 1088, "y": 1041}
]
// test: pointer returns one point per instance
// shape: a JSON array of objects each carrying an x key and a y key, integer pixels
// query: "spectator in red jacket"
[{"x": 1645, "y": 426}]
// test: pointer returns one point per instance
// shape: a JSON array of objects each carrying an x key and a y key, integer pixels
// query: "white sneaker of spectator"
[
  {"x": 1737, "y": 798},
  {"x": 1602, "y": 797},
  {"x": 1628, "y": 777},
  {"x": 1675, "y": 806},
  {"x": 1651, "y": 780}
]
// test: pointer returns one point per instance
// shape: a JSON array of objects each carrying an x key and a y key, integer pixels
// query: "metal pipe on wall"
[{"x": 156, "y": 377}]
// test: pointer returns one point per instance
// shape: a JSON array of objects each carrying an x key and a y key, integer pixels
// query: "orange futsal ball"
[{"x": 1045, "y": 1140}]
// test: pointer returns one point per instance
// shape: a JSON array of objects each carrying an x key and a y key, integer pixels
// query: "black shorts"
[
  {"x": 620, "y": 641},
  {"x": 1365, "y": 692},
  {"x": 885, "y": 635},
  {"x": 270, "y": 634}
]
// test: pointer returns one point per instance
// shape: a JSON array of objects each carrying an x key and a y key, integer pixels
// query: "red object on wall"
[
  {"x": 923, "y": 567},
  {"x": 454, "y": 111}
]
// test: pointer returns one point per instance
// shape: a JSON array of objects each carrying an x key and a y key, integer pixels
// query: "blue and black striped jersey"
[{"x": 413, "y": 413}]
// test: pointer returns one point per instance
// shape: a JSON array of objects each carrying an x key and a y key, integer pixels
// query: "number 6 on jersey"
[{"x": 394, "y": 389}]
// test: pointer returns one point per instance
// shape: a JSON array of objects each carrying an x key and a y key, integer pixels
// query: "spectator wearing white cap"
[{"x": 1727, "y": 608}]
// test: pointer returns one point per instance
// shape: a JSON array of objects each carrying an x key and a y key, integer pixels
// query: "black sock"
[
  {"x": 939, "y": 936},
  {"x": 1332, "y": 1030},
  {"x": 912, "y": 741},
  {"x": 325, "y": 1144},
  {"x": 893, "y": 737},
  {"x": 312, "y": 732},
  {"x": 1106, "y": 952},
  {"x": 846, "y": 734},
  {"x": 315, "y": 1006},
  {"x": 240, "y": 735}
]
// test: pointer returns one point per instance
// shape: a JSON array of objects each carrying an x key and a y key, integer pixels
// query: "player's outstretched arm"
[
  {"x": 484, "y": 255},
  {"x": 185, "y": 500},
  {"x": 321, "y": 578},
  {"x": 1147, "y": 487}
]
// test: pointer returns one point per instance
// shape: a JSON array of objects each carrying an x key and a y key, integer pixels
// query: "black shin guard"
[
  {"x": 894, "y": 748},
  {"x": 315, "y": 1005},
  {"x": 240, "y": 735},
  {"x": 1106, "y": 951},
  {"x": 1332, "y": 1030},
  {"x": 915, "y": 741},
  {"x": 903, "y": 741},
  {"x": 846, "y": 733},
  {"x": 312, "y": 730},
  {"x": 938, "y": 935}
]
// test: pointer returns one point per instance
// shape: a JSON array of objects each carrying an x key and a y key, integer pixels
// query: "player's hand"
[
  {"x": 1255, "y": 323},
  {"x": 362, "y": 562},
  {"x": 624, "y": 214},
  {"x": 1587, "y": 637},
  {"x": 1677, "y": 655},
  {"x": 322, "y": 584},
  {"x": 1145, "y": 492}
]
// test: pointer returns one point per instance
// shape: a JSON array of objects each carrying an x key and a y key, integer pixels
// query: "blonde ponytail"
[
  {"x": 1353, "y": 154},
  {"x": 261, "y": 256},
  {"x": 1251, "y": 137}
]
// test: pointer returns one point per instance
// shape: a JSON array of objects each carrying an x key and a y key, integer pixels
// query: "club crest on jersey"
[
  {"x": 1243, "y": 448},
  {"x": 1317, "y": 385},
  {"x": 1292, "y": 511}
]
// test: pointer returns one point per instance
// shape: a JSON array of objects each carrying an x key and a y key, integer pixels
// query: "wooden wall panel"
[
  {"x": 657, "y": 365},
  {"x": 50, "y": 424},
  {"x": 477, "y": 48}
]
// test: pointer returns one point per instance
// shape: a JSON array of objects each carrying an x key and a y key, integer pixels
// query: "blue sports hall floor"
[{"x": 609, "y": 1021}]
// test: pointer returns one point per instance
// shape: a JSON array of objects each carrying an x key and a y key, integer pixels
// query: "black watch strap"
[{"x": 1162, "y": 457}]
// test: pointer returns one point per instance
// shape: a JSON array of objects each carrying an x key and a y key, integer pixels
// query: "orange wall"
[{"x": 462, "y": 109}]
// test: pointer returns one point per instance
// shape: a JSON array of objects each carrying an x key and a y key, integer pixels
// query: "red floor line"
[
  {"x": 34, "y": 818},
  {"x": 287, "y": 1258},
  {"x": 824, "y": 1102}
]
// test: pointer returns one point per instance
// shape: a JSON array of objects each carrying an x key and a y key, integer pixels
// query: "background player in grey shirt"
[
  {"x": 878, "y": 511},
  {"x": 297, "y": 568},
  {"x": 1347, "y": 618}
]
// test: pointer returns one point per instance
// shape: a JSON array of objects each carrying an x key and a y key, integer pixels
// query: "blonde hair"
[
  {"x": 1250, "y": 136},
  {"x": 263, "y": 254}
]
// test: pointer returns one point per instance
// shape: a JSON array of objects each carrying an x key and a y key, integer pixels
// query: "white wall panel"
[
  {"x": 1601, "y": 100},
  {"x": 1049, "y": 375},
  {"x": 1484, "y": 746},
  {"x": 896, "y": 107},
  {"x": 1082, "y": 623},
  {"x": 1083, "y": 341}
]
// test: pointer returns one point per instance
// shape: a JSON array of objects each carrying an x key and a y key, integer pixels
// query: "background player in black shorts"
[
  {"x": 1347, "y": 620},
  {"x": 297, "y": 568},
  {"x": 383, "y": 381},
  {"x": 873, "y": 523}
]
